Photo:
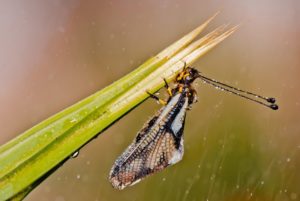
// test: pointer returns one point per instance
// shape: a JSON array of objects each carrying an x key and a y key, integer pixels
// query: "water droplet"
[
  {"x": 61, "y": 29},
  {"x": 262, "y": 182},
  {"x": 164, "y": 179},
  {"x": 112, "y": 36},
  {"x": 288, "y": 160},
  {"x": 78, "y": 176},
  {"x": 75, "y": 154}
]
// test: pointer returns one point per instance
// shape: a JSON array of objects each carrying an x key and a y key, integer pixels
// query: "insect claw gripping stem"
[
  {"x": 168, "y": 88},
  {"x": 156, "y": 98}
]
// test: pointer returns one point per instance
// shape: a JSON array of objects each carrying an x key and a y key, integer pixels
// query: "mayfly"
[{"x": 160, "y": 142}]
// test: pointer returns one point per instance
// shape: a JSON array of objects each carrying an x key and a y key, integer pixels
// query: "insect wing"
[
  {"x": 158, "y": 145},
  {"x": 156, "y": 156}
]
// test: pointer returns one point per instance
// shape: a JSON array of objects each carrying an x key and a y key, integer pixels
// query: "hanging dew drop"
[{"x": 75, "y": 154}]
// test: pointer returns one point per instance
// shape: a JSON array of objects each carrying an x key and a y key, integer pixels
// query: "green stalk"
[{"x": 32, "y": 156}]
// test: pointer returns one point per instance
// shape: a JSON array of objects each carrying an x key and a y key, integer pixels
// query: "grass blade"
[{"x": 28, "y": 159}]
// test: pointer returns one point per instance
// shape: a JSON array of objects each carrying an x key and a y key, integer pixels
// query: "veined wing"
[{"x": 158, "y": 145}]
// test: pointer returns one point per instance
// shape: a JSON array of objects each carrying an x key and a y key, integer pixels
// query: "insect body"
[{"x": 160, "y": 142}]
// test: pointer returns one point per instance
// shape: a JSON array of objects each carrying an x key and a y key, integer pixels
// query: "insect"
[{"x": 159, "y": 143}]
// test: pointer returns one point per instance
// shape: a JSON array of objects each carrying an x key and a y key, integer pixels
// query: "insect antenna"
[{"x": 241, "y": 93}]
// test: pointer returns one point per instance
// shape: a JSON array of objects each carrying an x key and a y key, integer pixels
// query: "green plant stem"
[{"x": 28, "y": 159}]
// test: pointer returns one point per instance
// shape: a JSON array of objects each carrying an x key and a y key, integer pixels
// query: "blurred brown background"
[{"x": 54, "y": 53}]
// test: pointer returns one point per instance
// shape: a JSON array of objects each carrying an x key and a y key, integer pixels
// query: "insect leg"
[
  {"x": 192, "y": 96},
  {"x": 161, "y": 101},
  {"x": 180, "y": 76},
  {"x": 168, "y": 88}
]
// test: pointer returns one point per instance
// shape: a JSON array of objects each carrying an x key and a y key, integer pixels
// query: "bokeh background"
[{"x": 54, "y": 53}]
